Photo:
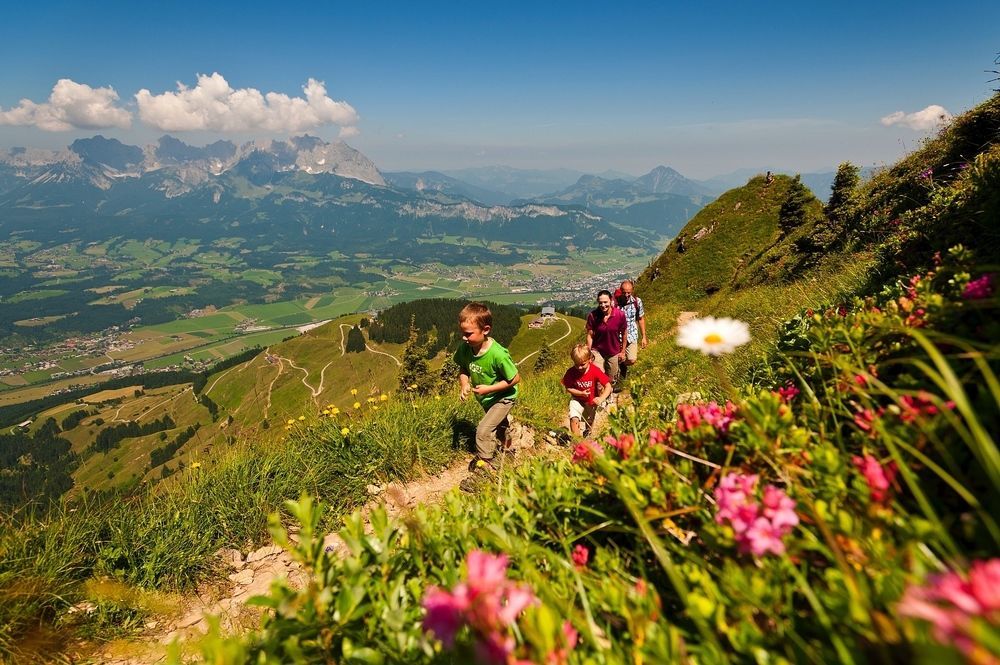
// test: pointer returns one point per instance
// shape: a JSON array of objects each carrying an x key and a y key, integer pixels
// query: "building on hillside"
[
  {"x": 537, "y": 323},
  {"x": 548, "y": 311}
]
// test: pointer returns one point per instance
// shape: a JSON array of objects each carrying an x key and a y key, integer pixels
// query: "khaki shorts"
[
  {"x": 582, "y": 412},
  {"x": 631, "y": 352}
]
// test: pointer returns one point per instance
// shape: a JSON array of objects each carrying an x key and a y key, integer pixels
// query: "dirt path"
[
  {"x": 270, "y": 386},
  {"x": 383, "y": 353},
  {"x": 569, "y": 331},
  {"x": 159, "y": 404},
  {"x": 251, "y": 574}
]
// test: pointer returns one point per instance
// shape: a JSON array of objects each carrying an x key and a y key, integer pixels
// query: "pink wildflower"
[
  {"x": 787, "y": 392},
  {"x": 950, "y": 602},
  {"x": 762, "y": 537},
  {"x": 979, "y": 288},
  {"x": 780, "y": 509},
  {"x": 560, "y": 656},
  {"x": 657, "y": 437},
  {"x": 622, "y": 444},
  {"x": 861, "y": 380},
  {"x": 865, "y": 420},
  {"x": 922, "y": 404},
  {"x": 487, "y": 602},
  {"x": 585, "y": 451},
  {"x": 911, "y": 289},
  {"x": 757, "y": 528},
  {"x": 581, "y": 555},
  {"x": 444, "y": 612},
  {"x": 878, "y": 477},
  {"x": 691, "y": 416}
]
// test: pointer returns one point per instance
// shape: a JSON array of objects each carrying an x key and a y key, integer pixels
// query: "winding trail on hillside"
[
  {"x": 159, "y": 404},
  {"x": 221, "y": 376},
  {"x": 383, "y": 353},
  {"x": 313, "y": 392},
  {"x": 569, "y": 331},
  {"x": 270, "y": 386}
]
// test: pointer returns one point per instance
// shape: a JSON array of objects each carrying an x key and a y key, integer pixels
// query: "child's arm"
[
  {"x": 605, "y": 393},
  {"x": 465, "y": 384},
  {"x": 502, "y": 384}
]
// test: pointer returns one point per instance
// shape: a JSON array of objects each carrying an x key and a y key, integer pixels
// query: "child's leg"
[
  {"x": 576, "y": 412},
  {"x": 589, "y": 413},
  {"x": 491, "y": 427}
]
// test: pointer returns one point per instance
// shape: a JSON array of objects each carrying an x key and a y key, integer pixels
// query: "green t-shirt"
[{"x": 487, "y": 368}]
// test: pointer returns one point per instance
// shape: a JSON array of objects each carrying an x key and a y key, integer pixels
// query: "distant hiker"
[
  {"x": 769, "y": 178},
  {"x": 606, "y": 328},
  {"x": 635, "y": 320},
  {"x": 487, "y": 370},
  {"x": 581, "y": 382}
]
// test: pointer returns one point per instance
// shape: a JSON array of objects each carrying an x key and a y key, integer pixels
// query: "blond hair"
[{"x": 580, "y": 354}]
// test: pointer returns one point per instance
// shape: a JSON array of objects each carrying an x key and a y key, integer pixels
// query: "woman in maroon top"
[{"x": 606, "y": 328}]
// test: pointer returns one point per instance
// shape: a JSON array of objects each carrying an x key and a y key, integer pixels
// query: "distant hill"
[
  {"x": 432, "y": 181},
  {"x": 517, "y": 183},
  {"x": 661, "y": 200}
]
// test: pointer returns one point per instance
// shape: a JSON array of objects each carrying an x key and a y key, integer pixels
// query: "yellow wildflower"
[
  {"x": 345, "y": 431},
  {"x": 196, "y": 465},
  {"x": 370, "y": 400},
  {"x": 302, "y": 417},
  {"x": 383, "y": 397},
  {"x": 290, "y": 422},
  {"x": 354, "y": 391},
  {"x": 334, "y": 411},
  {"x": 437, "y": 397},
  {"x": 357, "y": 405},
  {"x": 413, "y": 386}
]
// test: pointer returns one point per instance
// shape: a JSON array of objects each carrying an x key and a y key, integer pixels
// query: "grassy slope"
[{"x": 241, "y": 392}]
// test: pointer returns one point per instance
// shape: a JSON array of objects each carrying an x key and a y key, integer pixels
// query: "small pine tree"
[
  {"x": 355, "y": 340},
  {"x": 415, "y": 375},
  {"x": 845, "y": 183},
  {"x": 448, "y": 376},
  {"x": 793, "y": 209},
  {"x": 364, "y": 322},
  {"x": 545, "y": 358}
]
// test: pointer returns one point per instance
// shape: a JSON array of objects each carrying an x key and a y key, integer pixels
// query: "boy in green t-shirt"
[{"x": 486, "y": 369}]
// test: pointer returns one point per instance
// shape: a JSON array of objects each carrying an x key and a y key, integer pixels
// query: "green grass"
[{"x": 36, "y": 294}]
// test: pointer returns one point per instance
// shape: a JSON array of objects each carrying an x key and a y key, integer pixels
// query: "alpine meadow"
[{"x": 258, "y": 347}]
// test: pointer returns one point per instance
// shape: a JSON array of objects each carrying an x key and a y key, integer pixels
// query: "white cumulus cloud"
[
  {"x": 213, "y": 105},
  {"x": 71, "y": 105},
  {"x": 925, "y": 120}
]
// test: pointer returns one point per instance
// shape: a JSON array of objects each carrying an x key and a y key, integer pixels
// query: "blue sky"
[{"x": 705, "y": 89}]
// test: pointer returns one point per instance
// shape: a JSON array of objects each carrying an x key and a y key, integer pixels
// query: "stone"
[
  {"x": 231, "y": 557},
  {"x": 263, "y": 553},
  {"x": 243, "y": 577}
]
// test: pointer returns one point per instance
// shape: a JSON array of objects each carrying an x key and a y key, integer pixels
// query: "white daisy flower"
[{"x": 713, "y": 336}]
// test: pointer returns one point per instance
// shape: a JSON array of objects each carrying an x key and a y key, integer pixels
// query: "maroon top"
[{"x": 608, "y": 335}]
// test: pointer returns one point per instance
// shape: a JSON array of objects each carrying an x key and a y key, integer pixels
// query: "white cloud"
[
  {"x": 213, "y": 105},
  {"x": 926, "y": 120},
  {"x": 70, "y": 106},
  {"x": 348, "y": 131}
]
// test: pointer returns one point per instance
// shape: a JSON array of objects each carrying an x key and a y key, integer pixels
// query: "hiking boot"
[{"x": 480, "y": 473}]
